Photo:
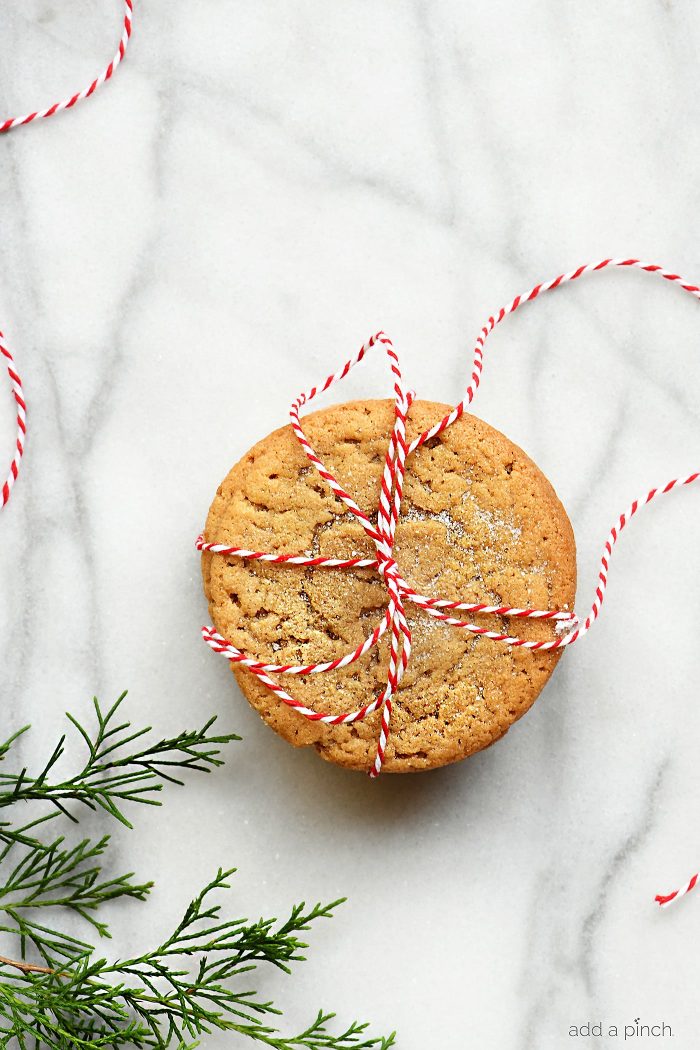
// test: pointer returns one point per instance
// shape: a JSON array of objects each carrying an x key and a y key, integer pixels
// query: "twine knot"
[{"x": 388, "y": 568}]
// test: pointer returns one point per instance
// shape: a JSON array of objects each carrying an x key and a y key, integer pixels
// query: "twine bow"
[{"x": 398, "y": 590}]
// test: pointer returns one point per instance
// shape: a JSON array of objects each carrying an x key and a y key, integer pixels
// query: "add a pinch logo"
[{"x": 636, "y": 1029}]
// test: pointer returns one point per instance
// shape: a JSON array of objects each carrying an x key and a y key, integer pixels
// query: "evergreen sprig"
[
  {"x": 58, "y": 992},
  {"x": 114, "y": 771}
]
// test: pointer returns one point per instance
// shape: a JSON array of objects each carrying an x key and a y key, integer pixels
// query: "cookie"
[{"x": 479, "y": 523}]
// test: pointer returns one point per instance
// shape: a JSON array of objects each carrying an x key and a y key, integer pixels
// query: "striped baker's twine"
[
  {"x": 664, "y": 899},
  {"x": 21, "y": 421},
  {"x": 382, "y": 535},
  {"x": 8, "y": 125},
  {"x": 102, "y": 78}
]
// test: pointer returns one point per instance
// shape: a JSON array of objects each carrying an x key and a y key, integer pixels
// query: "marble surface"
[{"x": 260, "y": 188}]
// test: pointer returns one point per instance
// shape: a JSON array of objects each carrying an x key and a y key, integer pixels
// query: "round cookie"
[{"x": 479, "y": 523}]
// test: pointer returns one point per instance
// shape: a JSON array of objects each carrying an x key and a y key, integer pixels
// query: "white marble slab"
[{"x": 261, "y": 188}]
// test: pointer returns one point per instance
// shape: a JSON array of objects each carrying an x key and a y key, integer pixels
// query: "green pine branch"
[
  {"x": 58, "y": 992},
  {"x": 114, "y": 772}
]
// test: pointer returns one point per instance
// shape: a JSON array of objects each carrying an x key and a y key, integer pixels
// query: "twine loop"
[{"x": 571, "y": 628}]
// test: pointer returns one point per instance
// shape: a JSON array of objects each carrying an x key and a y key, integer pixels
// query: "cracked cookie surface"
[{"x": 479, "y": 523}]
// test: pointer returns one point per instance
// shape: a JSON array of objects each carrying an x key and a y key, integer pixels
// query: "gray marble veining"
[{"x": 260, "y": 188}]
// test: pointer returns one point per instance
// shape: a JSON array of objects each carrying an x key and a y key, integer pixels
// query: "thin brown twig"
[{"x": 25, "y": 967}]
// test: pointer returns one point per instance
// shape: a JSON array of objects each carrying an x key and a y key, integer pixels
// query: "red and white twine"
[
  {"x": 382, "y": 535},
  {"x": 21, "y": 421},
  {"x": 664, "y": 899},
  {"x": 79, "y": 96},
  {"x": 8, "y": 125}
]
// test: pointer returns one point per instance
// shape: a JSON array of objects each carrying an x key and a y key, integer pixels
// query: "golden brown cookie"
[{"x": 479, "y": 523}]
